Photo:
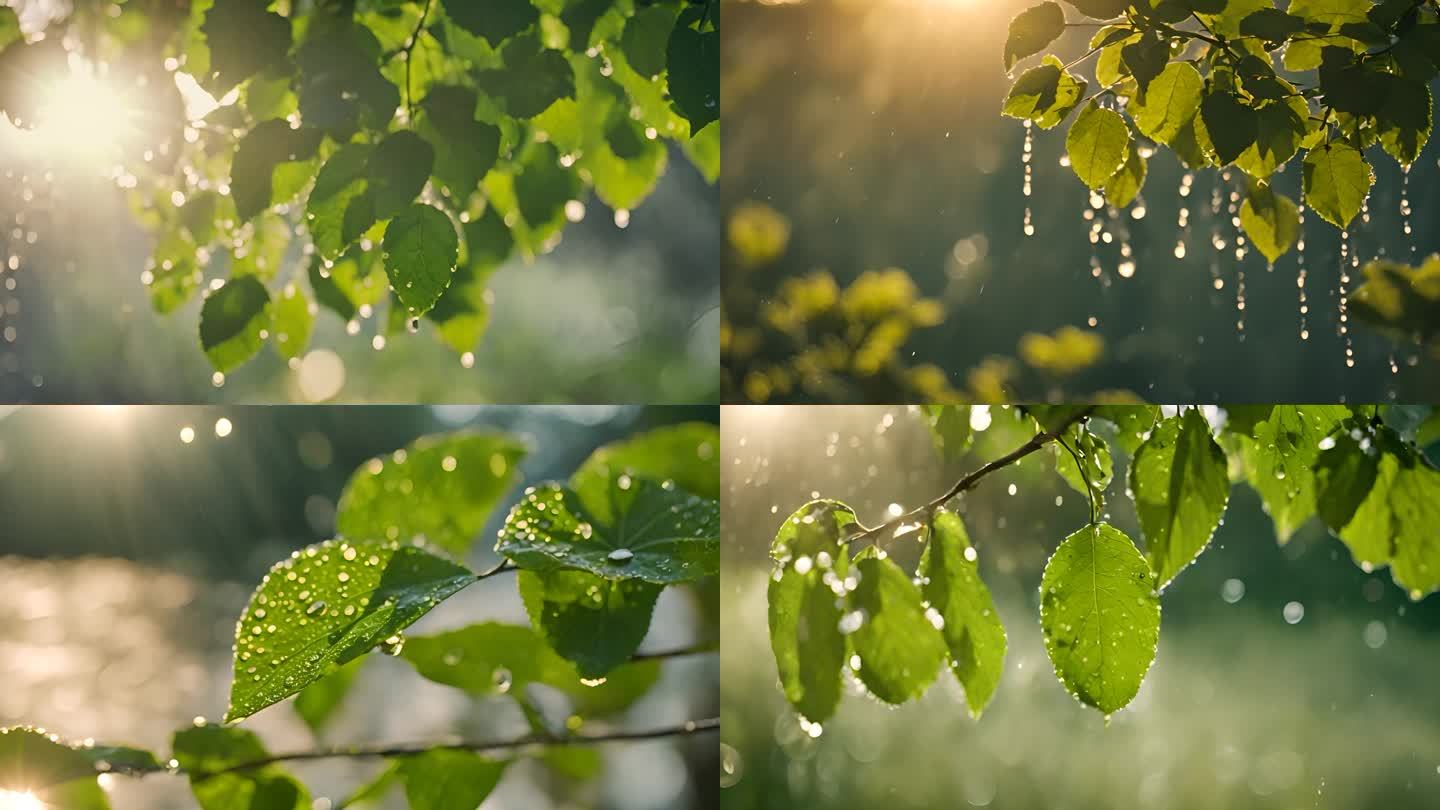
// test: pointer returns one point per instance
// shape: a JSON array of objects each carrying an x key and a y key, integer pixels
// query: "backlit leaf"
[
  {"x": 421, "y": 249},
  {"x": 971, "y": 627},
  {"x": 234, "y": 322},
  {"x": 1180, "y": 484}
]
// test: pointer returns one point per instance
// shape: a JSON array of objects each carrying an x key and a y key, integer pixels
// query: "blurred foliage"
[
  {"x": 329, "y": 605},
  {"x": 1401, "y": 300}
]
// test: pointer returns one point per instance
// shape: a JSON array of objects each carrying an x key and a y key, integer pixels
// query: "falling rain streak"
[
  {"x": 1405, "y": 209},
  {"x": 1300, "y": 272}
]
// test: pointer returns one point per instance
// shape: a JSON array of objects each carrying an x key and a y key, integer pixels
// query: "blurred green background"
[
  {"x": 875, "y": 130},
  {"x": 126, "y": 554},
  {"x": 612, "y": 315},
  {"x": 1243, "y": 708}
]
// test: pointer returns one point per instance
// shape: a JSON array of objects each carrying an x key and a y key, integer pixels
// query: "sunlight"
[
  {"x": 15, "y": 800},
  {"x": 84, "y": 117}
]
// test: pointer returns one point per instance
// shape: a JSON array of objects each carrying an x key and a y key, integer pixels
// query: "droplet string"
[
  {"x": 1345, "y": 264},
  {"x": 1300, "y": 274},
  {"x": 1182, "y": 220},
  {"x": 1405, "y": 211},
  {"x": 1027, "y": 159}
]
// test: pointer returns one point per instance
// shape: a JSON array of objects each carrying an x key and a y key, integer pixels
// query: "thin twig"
[
  {"x": 409, "y": 51},
  {"x": 1036, "y": 442},
  {"x": 499, "y": 568},
  {"x": 476, "y": 746}
]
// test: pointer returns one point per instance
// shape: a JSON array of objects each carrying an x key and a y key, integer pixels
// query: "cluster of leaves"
[
  {"x": 593, "y": 554},
  {"x": 1238, "y": 83},
  {"x": 1400, "y": 300},
  {"x": 836, "y": 609},
  {"x": 418, "y": 143}
]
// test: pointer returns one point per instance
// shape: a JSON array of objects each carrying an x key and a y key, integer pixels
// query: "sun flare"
[
  {"x": 15, "y": 800},
  {"x": 85, "y": 117}
]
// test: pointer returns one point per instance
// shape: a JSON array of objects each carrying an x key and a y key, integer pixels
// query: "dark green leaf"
[
  {"x": 544, "y": 186},
  {"x": 234, "y": 323},
  {"x": 1100, "y": 616},
  {"x": 1271, "y": 24},
  {"x": 533, "y": 78},
  {"x": 441, "y": 488},
  {"x": 638, "y": 529},
  {"x": 1146, "y": 58},
  {"x": 493, "y": 20},
  {"x": 209, "y": 753},
  {"x": 694, "y": 73},
  {"x": 647, "y": 38},
  {"x": 594, "y": 622},
  {"x": 1180, "y": 484},
  {"x": 898, "y": 648},
  {"x": 264, "y": 149},
  {"x": 1279, "y": 129},
  {"x": 244, "y": 38},
  {"x": 1100, "y": 9},
  {"x": 421, "y": 249},
  {"x": 1405, "y": 119},
  {"x": 327, "y": 605},
  {"x": 339, "y": 209},
  {"x": 971, "y": 629},
  {"x": 397, "y": 171},
  {"x": 341, "y": 88},
  {"x": 1032, "y": 31},
  {"x": 1230, "y": 124},
  {"x": 465, "y": 149}
]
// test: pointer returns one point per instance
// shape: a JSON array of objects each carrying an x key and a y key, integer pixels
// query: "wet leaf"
[
  {"x": 637, "y": 529},
  {"x": 804, "y": 612},
  {"x": 31, "y": 760},
  {"x": 972, "y": 631},
  {"x": 421, "y": 249},
  {"x": 1097, "y": 144},
  {"x": 234, "y": 322},
  {"x": 1405, "y": 119},
  {"x": 263, "y": 150},
  {"x": 494, "y": 20},
  {"x": 1100, "y": 616},
  {"x": 209, "y": 752},
  {"x": 896, "y": 643},
  {"x": 686, "y": 454},
  {"x": 694, "y": 75},
  {"x": 244, "y": 38},
  {"x": 1180, "y": 483},
  {"x": 647, "y": 37},
  {"x": 1337, "y": 180},
  {"x": 327, "y": 605},
  {"x": 1032, "y": 31},
  {"x": 1278, "y": 461},
  {"x": 441, "y": 488},
  {"x": 1124, "y": 186},
  {"x": 293, "y": 321},
  {"x": 1230, "y": 124},
  {"x": 594, "y": 622},
  {"x": 1271, "y": 220}
]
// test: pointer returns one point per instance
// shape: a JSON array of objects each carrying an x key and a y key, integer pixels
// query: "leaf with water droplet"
[
  {"x": 293, "y": 319},
  {"x": 280, "y": 649},
  {"x": 1097, "y": 144},
  {"x": 1405, "y": 119},
  {"x": 898, "y": 645},
  {"x": 594, "y": 622},
  {"x": 1278, "y": 460},
  {"x": 1230, "y": 124},
  {"x": 1271, "y": 220},
  {"x": 210, "y": 754},
  {"x": 673, "y": 536},
  {"x": 421, "y": 248},
  {"x": 1100, "y": 616},
  {"x": 1337, "y": 180},
  {"x": 1171, "y": 102},
  {"x": 448, "y": 780},
  {"x": 804, "y": 614},
  {"x": 1044, "y": 94},
  {"x": 1094, "y": 454},
  {"x": 1180, "y": 483},
  {"x": 950, "y": 581},
  {"x": 693, "y": 58},
  {"x": 1124, "y": 186},
  {"x": 259, "y": 156},
  {"x": 1132, "y": 423},
  {"x": 687, "y": 454},
  {"x": 441, "y": 487},
  {"x": 233, "y": 323}
]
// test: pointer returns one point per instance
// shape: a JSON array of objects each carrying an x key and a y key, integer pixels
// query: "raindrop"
[
  {"x": 315, "y": 607},
  {"x": 393, "y": 645},
  {"x": 503, "y": 680},
  {"x": 732, "y": 766},
  {"x": 1405, "y": 210},
  {"x": 623, "y": 555},
  {"x": 1300, "y": 274},
  {"x": 1294, "y": 612},
  {"x": 1345, "y": 264}
]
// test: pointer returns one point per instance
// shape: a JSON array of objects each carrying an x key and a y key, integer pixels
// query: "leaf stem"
[
  {"x": 1036, "y": 442},
  {"x": 1084, "y": 476},
  {"x": 408, "y": 51},
  {"x": 685, "y": 729},
  {"x": 501, "y": 567}
]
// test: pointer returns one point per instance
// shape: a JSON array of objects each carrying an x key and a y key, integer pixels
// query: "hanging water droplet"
[
  {"x": 1405, "y": 209},
  {"x": 393, "y": 645},
  {"x": 1027, "y": 159},
  {"x": 503, "y": 680},
  {"x": 1345, "y": 263},
  {"x": 1300, "y": 273}
]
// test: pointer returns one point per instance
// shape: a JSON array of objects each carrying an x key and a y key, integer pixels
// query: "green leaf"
[
  {"x": 244, "y": 39},
  {"x": 544, "y": 186},
  {"x": 1337, "y": 181},
  {"x": 440, "y": 488},
  {"x": 234, "y": 322},
  {"x": 1098, "y": 143},
  {"x": 209, "y": 753},
  {"x": 686, "y": 454},
  {"x": 1279, "y": 130},
  {"x": 637, "y": 529},
  {"x": 1230, "y": 124},
  {"x": 950, "y": 428},
  {"x": 1415, "y": 502},
  {"x": 894, "y": 635},
  {"x": 694, "y": 73},
  {"x": 1405, "y": 119},
  {"x": 533, "y": 77},
  {"x": 9, "y": 27},
  {"x": 341, "y": 88},
  {"x": 1053, "y": 418},
  {"x": 465, "y": 149},
  {"x": 421, "y": 249},
  {"x": 448, "y": 780},
  {"x": 1278, "y": 461},
  {"x": 1271, "y": 220},
  {"x": 259, "y": 247},
  {"x": 1171, "y": 102},
  {"x": 1094, "y": 455},
  {"x": 972, "y": 630},
  {"x": 1146, "y": 58},
  {"x": 594, "y": 622},
  {"x": 494, "y": 20},
  {"x": 1133, "y": 423},
  {"x": 326, "y": 606},
  {"x": 1032, "y": 31},
  {"x": 317, "y": 703},
  {"x": 263, "y": 150},
  {"x": 339, "y": 210},
  {"x": 488, "y": 659},
  {"x": 647, "y": 38},
  {"x": 293, "y": 321},
  {"x": 1271, "y": 24},
  {"x": 804, "y": 614},
  {"x": 397, "y": 171},
  {"x": 1180, "y": 484},
  {"x": 1124, "y": 186},
  {"x": 1100, "y": 616},
  {"x": 32, "y": 761}
]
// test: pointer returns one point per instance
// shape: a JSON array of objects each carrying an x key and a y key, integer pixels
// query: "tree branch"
[
  {"x": 685, "y": 729},
  {"x": 1036, "y": 442}
]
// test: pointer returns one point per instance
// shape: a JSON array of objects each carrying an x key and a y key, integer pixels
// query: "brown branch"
[{"x": 1036, "y": 442}]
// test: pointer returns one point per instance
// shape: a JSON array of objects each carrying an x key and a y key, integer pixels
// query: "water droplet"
[
  {"x": 503, "y": 680},
  {"x": 622, "y": 555},
  {"x": 315, "y": 607},
  {"x": 393, "y": 645}
]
